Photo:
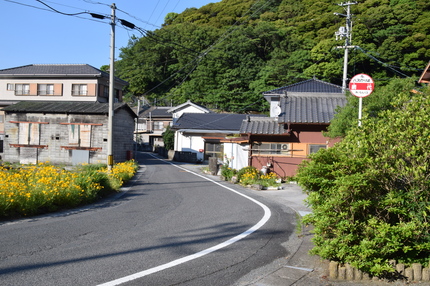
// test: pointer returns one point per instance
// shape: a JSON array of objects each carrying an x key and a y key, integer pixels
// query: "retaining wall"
[{"x": 416, "y": 272}]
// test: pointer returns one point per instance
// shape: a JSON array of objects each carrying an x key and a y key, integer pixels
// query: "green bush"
[
  {"x": 369, "y": 193},
  {"x": 227, "y": 172},
  {"x": 248, "y": 175}
]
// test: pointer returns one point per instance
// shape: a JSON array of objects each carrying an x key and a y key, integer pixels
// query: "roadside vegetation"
[
  {"x": 369, "y": 193},
  {"x": 249, "y": 176},
  {"x": 28, "y": 190}
]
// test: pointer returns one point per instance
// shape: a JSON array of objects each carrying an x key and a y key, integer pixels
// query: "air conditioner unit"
[{"x": 285, "y": 148}]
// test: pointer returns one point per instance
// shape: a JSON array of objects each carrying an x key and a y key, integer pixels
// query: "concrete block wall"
[
  {"x": 122, "y": 135},
  {"x": 54, "y": 135}
]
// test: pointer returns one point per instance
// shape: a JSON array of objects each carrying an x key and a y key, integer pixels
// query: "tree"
[
  {"x": 381, "y": 99},
  {"x": 169, "y": 138},
  {"x": 227, "y": 53},
  {"x": 369, "y": 193}
]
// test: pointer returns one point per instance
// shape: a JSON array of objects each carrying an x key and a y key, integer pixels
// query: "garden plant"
[
  {"x": 34, "y": 189},
  {"x": 369, "y": 193}
]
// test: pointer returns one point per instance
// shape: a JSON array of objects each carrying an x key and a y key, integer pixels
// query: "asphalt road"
[{"x": 169, "y": 227}]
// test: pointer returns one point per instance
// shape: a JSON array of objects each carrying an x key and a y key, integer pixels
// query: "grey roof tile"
[
  {"x": 262, "y": 125},
  {"x": 308, "y": 109},
  {"x": 210, "y": 121},
  {"x": 52, "y": 70},
  {"x": 308, "y": 86},
  {"x": 72, "y": 107}
]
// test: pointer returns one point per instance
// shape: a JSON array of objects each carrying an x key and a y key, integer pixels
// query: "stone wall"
[{"x": 416, "y": 272}]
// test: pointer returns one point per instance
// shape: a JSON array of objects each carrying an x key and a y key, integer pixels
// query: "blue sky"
[{"x": 31, "y": 33}]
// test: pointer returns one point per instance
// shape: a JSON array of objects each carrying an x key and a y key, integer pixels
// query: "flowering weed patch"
[
  {"x": 33, "y": 189},
  {"x": 250, "y": 176}
]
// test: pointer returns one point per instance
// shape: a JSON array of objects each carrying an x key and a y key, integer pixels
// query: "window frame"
[
  {"x": 319, "y": 146},
  {"x": 157, "y": 125},
  {"x": 22, "y": 89},
  {"x": 47, "y": 91},
  {"x": 270, "y": 148},
  {"x": 80, "y": 91},
  {"x": 214, "y": 149}
]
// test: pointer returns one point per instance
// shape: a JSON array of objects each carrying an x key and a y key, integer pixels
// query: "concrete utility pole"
[
  {"x": 111, "y": 91},
  {"x": 345, "y": 33}
]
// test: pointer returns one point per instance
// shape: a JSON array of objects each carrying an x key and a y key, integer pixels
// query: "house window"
[
  {"x": 158, "y": 125},
  {"x": 214, "y": 150},
  {"x": 1, "y": 118},
  {"x": 80, "y": 135},
  {"x": 79, "y": 89},
  {"x": 10, "y": 86},
  {"x": 313, "y": 148},
  {"x": 45, "y": 89},
  {"x": 271, "y": 148},
  {"x": 105, "y": 91},
  {"x": 22, "y": 89},
  {"x": 28, "y": 133}
]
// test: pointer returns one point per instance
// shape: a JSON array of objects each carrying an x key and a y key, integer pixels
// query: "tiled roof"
[
  {"x": 72, "y": 107},
  {"x": 308, "y": 109},
  {"x": 51, "y": 70},
  {"x": 156, "y": 112},
  {"x": 54, "y": 69},
  {"x": 262, "y": 125},
  {"x": 210, "y": 121},
  {"x": 314, "y": 86}
]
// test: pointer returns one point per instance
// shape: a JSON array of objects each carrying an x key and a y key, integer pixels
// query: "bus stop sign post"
[{"x": 361, "y": 85}]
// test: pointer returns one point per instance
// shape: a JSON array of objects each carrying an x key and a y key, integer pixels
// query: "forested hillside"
[{"x": 226, "y": 54}]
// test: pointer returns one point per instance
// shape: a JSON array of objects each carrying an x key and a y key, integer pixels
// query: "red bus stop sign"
[{"x": 361, "y": 85}]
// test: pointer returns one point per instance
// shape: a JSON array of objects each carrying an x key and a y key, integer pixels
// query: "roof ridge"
[{"x": 17, "y": 67}]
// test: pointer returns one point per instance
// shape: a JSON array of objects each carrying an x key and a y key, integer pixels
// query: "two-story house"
[
  {"x": 299, "y": 115},
  {"x": 54, "y": 83},
  {"x": 151, "y": 124}
]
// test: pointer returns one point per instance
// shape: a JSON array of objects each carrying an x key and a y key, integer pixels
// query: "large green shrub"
[{"x": 369, "y": 194}]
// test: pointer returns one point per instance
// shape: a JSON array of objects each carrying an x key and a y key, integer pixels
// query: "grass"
[{"x": 28, "y": 190}]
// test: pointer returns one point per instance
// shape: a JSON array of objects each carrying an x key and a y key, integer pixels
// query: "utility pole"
[
  {"x": 345, "y": 33},
  {"x": 111, "y": 91}
]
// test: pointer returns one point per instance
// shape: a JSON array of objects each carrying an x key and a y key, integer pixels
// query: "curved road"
[{"x": 170, "y": 227}]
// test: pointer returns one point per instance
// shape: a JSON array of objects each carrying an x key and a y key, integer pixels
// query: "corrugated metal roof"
[
  {"x": 210, "y": 121},
  {"x": 307, "y": 109},
  {"x": 261, "y": 125},
  {"x": 314, "y": 86},
  {"x": 71, "y": 107}
]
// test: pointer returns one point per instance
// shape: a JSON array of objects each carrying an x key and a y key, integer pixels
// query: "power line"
[{"x": 67, "y": 14}]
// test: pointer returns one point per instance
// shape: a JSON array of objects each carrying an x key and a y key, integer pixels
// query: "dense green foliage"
[
  {"x": 370, "y": 192},
  {"x": 225, "y": 54},
  {"x": 380, "y": 100},
  {"x": 169, "y": 138}
]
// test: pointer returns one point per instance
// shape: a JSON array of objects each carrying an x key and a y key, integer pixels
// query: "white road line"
[{"x": 266, "y": 217}]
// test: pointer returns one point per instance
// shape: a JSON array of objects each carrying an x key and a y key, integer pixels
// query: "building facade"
[
  {"x": 67, "y": 133},
  {"x": 72, "y": 82}
]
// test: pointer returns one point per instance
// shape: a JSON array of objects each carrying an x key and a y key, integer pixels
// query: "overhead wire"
[
  {"x": 149, "y": 34},
  {"x": 67, "y": 14},
  {"x": 222, "y": 38}
]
